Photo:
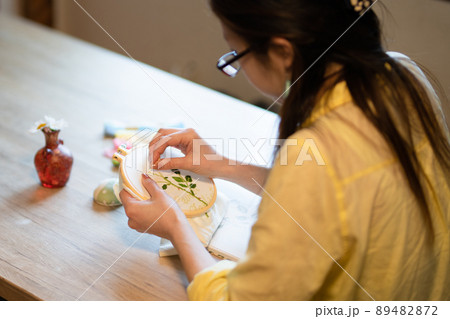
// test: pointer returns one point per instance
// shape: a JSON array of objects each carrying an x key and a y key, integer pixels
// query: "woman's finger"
[
  {"x": 172, "y": 163},
  {"x": 157, "y": 149},
  {"x": 126, "y": 198},
  {"x": 132, "y": 224},
  {"x": 151, "y": 186},
  {"x": 161, "y": 133}
]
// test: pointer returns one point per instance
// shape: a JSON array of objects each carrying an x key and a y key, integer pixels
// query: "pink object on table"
[{"x": 116, "y": 142}]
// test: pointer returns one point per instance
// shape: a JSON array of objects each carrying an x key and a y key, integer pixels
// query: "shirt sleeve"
[
  {"x": 211, "y": 283},
  {"x": 295, "y": 239}
]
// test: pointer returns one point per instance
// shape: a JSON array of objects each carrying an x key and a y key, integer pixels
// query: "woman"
[{"x": 373, "y": 222}]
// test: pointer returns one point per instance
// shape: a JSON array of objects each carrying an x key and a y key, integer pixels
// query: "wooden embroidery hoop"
[{"x": 134, "y": 162}]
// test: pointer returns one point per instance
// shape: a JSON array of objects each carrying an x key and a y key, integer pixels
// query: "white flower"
[
  {"x": 49, "y": 122},
  {"x": 55, "y": 125},
  {"x": 39, "y": 125}
]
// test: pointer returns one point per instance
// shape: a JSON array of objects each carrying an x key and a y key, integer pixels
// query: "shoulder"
[
  {"x": 412, "y": 66},
  {"x": 398, "y": 55},
  {"x": 420, "y": 75},
  {"x": 402, "y": 58}
]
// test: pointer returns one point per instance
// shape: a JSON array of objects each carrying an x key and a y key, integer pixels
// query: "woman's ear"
[{"x": 281, "y": 52}]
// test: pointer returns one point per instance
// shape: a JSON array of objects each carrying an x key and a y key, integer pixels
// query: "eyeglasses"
[{"x": 229, "y": 63}]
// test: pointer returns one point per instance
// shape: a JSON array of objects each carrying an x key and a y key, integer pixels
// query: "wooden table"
[{"x": 56, "y": 243}]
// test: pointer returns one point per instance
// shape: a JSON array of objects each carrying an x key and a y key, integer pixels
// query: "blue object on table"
[{"x": 111, "y": 127}]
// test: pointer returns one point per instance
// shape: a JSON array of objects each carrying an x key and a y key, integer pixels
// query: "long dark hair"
[{"x": 378, "y": 83}]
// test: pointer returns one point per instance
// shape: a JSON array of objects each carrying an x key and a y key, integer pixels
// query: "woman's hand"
[
  {"x": 199, "y": 157},
  {"x": 202, "y": 159},
  {"x": 160, "y": 215}
]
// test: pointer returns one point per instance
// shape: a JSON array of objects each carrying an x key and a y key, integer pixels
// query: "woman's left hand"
[{"x": 160, "y": 215}]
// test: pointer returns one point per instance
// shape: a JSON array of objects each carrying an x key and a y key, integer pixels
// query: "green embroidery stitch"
[{"x": 182, "y": 183}]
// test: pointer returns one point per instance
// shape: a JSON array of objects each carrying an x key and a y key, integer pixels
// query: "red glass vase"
[{"x": 54, "y": 161}]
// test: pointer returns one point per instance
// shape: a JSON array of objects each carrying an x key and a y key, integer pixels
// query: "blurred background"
[{"x": 184, "y": 38}]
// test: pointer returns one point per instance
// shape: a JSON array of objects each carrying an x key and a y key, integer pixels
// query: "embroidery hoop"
[{"x": 134, "y": 162}]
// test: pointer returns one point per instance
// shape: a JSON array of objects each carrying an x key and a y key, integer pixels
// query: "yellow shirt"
[{"x": 347, "y": 230}]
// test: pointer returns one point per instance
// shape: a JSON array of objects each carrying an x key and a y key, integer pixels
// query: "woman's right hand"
[{"x": 199, "y": 158}]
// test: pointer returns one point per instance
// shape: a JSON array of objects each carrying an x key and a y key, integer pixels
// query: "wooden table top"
[{"x": 57, "y": 243}]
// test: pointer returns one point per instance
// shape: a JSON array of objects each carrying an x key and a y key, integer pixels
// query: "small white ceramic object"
[{"x": 194, "y": 194}]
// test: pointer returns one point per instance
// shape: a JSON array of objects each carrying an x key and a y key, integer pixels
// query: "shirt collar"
[{"x": 339, "y": 95}]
